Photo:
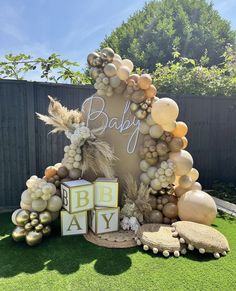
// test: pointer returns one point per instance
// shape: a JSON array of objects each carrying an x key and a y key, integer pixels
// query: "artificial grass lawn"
[{"x": 72, "y": 263}]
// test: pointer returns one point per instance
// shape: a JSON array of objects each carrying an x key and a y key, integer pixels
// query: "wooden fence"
[{"x": 26, "y": 148}]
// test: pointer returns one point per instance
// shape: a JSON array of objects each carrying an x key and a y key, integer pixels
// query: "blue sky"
[{"x": 72, "y": 28}]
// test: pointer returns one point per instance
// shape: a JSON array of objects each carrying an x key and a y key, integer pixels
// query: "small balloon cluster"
[
  {"x": 31, "y": 226},
  {"x": 113, "y": 75},
  {"x": 40, "y": 195},
  {"x": 73, "y": 153}
]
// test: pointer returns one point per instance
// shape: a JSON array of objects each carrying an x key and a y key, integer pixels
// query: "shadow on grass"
[{"x": 63, "y": 254}]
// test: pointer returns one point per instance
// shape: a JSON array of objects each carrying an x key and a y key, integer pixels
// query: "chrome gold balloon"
[
  {"x": 34, "y": 215},
  {"x": 19, "y": 233},
  {"x": 22, "y": 217},
  {"x": 46, "y": 230},
  {"x": 34, "y": 222},
  {"x": 91, "y": 57},
  {"x": 45, "y": 217},
  {"x": 33, "y": 238},
  {"x": 28, "y": 226},
  {"x": 39, "y": 227}
]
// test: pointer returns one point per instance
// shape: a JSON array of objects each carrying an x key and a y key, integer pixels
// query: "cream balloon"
[
  {"x": 128, "y": 63},
  {"x": 144, "y": 178},
  {"x": 156, "y": 131},
  {"x": 54, "y": 203},
  {"x": 183, "y": 162},
  {"x": 196, "y": 186},
  {"x": 164, "y": 111},
  {"x": 144, "y": 127},
  {"x": 123, "y": 72},
  {"x": 144, "y": 166},
  {"x": 185, "y": 182},
  {"x": 25, "y": 206},
  {"x": 110, "y": 70},
  {"x": 26, "y": 197},
  {"x": 194, "y": 174},
  {"x": 39, "y": 205},
  {"x": 169, "y": 126},
  {"x": 197, "y": 206}
]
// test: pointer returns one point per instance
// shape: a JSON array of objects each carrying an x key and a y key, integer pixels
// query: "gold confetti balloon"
[
  {"x": 19, "y": 233},
  {"x": 33, "y": 238},
  {"x": 22, "y": 217},
  {"x": 45, "y": 217}
]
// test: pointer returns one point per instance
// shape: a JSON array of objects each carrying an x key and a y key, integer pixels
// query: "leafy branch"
[{"x": 51, "y": 69}]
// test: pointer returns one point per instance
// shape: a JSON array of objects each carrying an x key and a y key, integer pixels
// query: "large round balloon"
[
  {"x": 197, "y": 206},
  {"x": 164, "y": 111},
  {"x": 183, "y": 162}
]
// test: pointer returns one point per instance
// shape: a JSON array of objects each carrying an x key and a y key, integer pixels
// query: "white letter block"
[
  {"x": 106, "y": 192},
  {"x": 72, "y": 224},
  {"x": 77, "y": 195},
  {"x": 102, "y": 220}
]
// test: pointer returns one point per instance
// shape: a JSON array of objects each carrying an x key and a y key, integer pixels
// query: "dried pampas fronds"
[
  {"x": 60, "y": 117},
  {"x": 98, "y": 156},
  {"x": 136, "y": 200}
]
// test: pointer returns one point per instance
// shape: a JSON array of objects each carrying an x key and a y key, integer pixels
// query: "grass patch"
[{"x": 72, "y": 263}]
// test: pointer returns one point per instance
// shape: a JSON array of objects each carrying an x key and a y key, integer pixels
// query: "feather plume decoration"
[
  {"x": 98, "y": 156},
  {"x": 60, "y": 117}
]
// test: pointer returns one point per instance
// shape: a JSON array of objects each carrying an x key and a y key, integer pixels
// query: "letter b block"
[
  {"x": 102, "y": 220},
  {"x": 77, "y": 195},
  {"x": 106, "y": 192},
  {"x": 75, "y": 223}
]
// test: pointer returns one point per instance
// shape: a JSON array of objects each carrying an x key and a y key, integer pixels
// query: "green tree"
[
  {"x": 191, "y": 27},
  {"x": 51, "y": 69}
]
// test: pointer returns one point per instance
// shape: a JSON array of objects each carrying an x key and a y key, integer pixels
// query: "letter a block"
[
  {"x": 106, "y": 192},
  {"x": 77, "y": 195},
  {"x": 102, "y": 220},
  {"x": 75, "y": 223}
]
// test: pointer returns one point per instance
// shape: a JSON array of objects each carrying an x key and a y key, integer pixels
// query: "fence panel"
[{"x": 26, "y": 148}]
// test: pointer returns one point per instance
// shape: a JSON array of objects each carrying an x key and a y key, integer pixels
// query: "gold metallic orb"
[
  {"x": 91, "y": 58},
  {"x": 28, "y": 226},
  {"x": 45, "y": 217},
  {"x": 108, "y": 53},
  {"x": 39, "y": 227},
  {"x": 19, "y": 233},
  {"x": 34, "y": 222},
  {"x": 33, "y": 238},
  {"x": 34, "y": 215},
  {"x": 46, "y": 230},
  {"x": 22, "y": 217}
]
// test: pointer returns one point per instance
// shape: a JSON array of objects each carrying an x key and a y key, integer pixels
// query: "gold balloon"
[
  {"x": 33, "y": 238},
  {"x": 45, "y": 217},
  {"x": 33, "y": 215},
  {"x": 39, "y": 227},
  {"x": 46, "y": 230},
  {"x": 22, "y": 217},
  {"x": 28, "y": 226},
  {"x": 180, "y": 130},
  {"x": 34, "y": 222},
  {"x": 19, "y": 233}
]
